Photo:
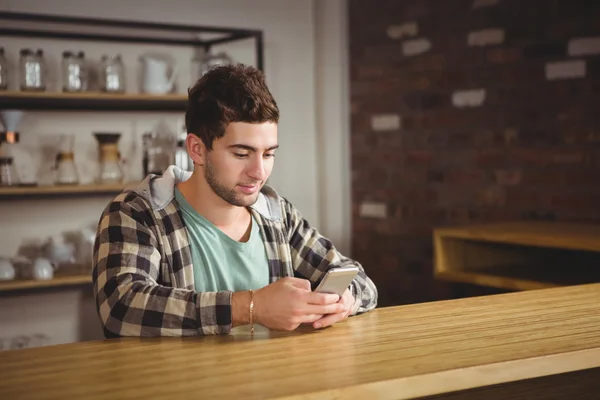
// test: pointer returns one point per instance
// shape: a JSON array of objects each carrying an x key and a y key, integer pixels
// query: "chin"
[
  {"x": 243, "y": 200},
  {"x": 250, "y": 200}
]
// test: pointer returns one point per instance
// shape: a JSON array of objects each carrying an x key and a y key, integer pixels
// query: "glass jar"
[
  {"x": 8, "y": 175},
  {"x": 74, "y": 75},
  {"x": 158, "y": 152},
  {"x": 3, "y": 70},
  {"x": 32, "y": 70},
  {"x": 112, "y": 74},
  {"x": 182, "y": 158},
  {"x": 202, "y": 64}
]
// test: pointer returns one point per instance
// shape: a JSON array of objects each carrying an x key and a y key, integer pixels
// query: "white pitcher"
[{"x": 156, "y": 77}]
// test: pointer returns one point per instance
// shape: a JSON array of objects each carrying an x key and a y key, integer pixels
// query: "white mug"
[
  {"x": 7, "y": 270},
  {"x": 42, "y": 269}
]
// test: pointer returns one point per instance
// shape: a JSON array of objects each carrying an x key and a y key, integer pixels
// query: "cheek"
[
  {"x": 269, "y": 165},
  {"x": 228, "y": 170},
  {"x": 240, "y": 169}
]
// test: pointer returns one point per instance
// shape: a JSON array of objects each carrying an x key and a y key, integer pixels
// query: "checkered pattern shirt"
[{"x": 143, "y": 272}]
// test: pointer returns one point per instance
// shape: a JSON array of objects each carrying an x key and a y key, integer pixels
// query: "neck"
[{"x": 207, "y": 203}]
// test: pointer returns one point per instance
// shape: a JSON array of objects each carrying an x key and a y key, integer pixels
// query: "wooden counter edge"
[{"x": 455, "y": 380}]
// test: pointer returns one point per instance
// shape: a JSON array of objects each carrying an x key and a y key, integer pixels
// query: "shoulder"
[{"x": 129, "y": 204}]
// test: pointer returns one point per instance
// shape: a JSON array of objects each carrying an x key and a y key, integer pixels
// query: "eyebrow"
[{"x": 250, "y": 148}]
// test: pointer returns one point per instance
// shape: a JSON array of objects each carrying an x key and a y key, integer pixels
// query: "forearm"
[
  {"x": 134, "y": 307},
  {"x": 365, "y": 294},
  {"x": 313, "y": 255}
]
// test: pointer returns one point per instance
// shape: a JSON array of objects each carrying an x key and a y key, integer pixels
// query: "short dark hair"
[{"x": 228, "y": 93}]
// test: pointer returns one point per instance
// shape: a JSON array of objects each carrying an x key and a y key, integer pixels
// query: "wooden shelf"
[
  {"x": 525, "y": 277},
  {"x": 519, "y": 255},
  {"x": 60, "y": 190},
  {"x": 92, "y": 101},
  {"x": 539, "y": 233},
  {"x": 500, "y": 282},
  {"x": 57, "y": 282}
]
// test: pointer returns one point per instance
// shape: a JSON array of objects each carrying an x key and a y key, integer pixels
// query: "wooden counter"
[{"x": 390, "y": 353}]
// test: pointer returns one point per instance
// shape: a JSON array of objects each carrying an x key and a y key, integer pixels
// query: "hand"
[
  {"x": 347, "y": 301},
  {"x": 289, "y": 302}
]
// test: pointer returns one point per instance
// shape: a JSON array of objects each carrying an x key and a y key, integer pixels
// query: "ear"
[{"x": 196, "y": 149}]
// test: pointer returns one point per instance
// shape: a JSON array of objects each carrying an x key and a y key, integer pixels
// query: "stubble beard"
[{"x": 228, "y": 194}]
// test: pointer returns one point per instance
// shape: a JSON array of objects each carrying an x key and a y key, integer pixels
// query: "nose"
[{"x": 257, "y": 169}]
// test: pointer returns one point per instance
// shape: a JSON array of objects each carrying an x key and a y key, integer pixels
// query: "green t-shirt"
[{"x": 221, "y": 263}]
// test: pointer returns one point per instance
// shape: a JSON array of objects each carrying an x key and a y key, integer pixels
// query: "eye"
[
  {"x": 271, "y": 155},
  {"x": 240, "y": 155}
]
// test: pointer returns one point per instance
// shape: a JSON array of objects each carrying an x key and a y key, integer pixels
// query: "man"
[{"x": 200, "y": 253}]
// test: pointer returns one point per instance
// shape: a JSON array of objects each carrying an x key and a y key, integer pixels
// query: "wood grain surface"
[{"x": 390, "y": 353}]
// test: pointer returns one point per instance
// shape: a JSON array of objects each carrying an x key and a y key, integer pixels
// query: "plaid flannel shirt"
[{"x": 143, "y": 272}]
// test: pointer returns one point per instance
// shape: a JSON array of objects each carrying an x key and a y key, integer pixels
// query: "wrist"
[
  {"x": 353, "y": 296},
  {"x": 257, "y": 304},
  {"x": 240, "y": 308}
]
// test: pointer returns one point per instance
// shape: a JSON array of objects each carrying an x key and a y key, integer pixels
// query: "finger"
[
  {"x": 321, "y": 298},
  {"x": 334, "y": 308},
  {"x": 348, "y": 299},
  {"x": 328, "y": 320},
  {"x": 309, "y": 318},
  {"x": 300, "y": 283},
  {"x": 347, "y": 294}
]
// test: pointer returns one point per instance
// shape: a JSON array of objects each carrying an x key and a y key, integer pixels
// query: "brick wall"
[{"x": 468, "y": 111}]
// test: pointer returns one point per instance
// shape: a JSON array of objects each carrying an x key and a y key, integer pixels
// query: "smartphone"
[{"x": 337, "y": 280}]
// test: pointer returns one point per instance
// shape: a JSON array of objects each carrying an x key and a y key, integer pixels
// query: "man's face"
[{"x": 241, "y": 161}]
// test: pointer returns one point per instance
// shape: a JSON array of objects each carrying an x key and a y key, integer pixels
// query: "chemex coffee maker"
[
  {"x": 9, "y": 137},
  {"x": 66, "y": 170},
  {"x": 109, "y": 157}
]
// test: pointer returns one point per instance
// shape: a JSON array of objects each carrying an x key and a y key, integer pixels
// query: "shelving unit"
[
  {"x": 124, "y": 31},
  {"x": 114, "y": 30},
  {"x": 519, "y": 255},
  {"x": 91, "y": 101},
  {"x": 21, "y": 285},
  {"x": 29, "y": 25},
  {"x": 60, "y": 191}
]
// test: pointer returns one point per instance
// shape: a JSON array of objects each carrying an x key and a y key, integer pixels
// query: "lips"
[{"x": 249, "y": 189}]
